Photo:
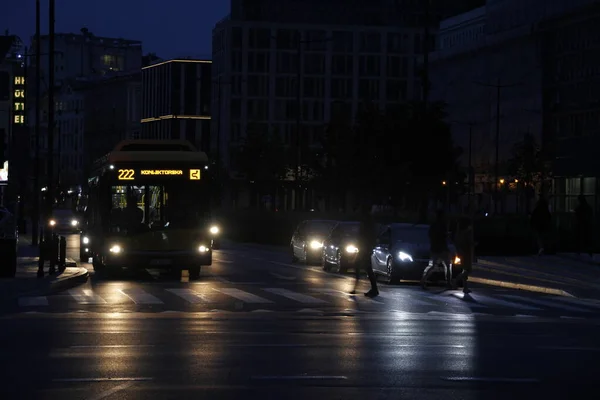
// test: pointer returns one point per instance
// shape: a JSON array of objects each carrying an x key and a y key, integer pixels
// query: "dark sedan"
[
  {"x": 402, "y": 252},
  {"x": 340, "y": 248},
  {"x": 307, "y": 241}
]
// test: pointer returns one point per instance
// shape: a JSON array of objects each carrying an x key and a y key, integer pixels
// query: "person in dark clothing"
[
  {"x": 465, "y": 247},
  {"x": 440, "y": 254},
  {"x": 367, "y": 237},
  {"x": 541, "y": 222},
  {"x": 583, "y": 219}
]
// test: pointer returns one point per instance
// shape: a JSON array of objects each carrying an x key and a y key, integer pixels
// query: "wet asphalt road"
[{"x": 256, "y": 326}]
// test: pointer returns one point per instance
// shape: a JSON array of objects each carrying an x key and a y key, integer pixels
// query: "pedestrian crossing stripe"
[{"x": 272, "y": 295}]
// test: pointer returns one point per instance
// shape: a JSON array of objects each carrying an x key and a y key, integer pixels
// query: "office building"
[
  {"x": 273, "y": 59},
  {"x": 571, "y": 83},
  {"x": 176, "y": 101}
]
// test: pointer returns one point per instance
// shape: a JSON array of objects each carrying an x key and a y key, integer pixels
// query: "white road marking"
[
  {"x": 138, "y": 296},
  {"x": 111, "y": 346},
  {"x": 223, "y": 261},
  {"x": 267, "y": 345},
  {"x": 406, "y": 299},
  {"x": 569, "y": 348},
  {"x": 243, "y": 296},
  {"x": 497, "y": 302},
  {"x": 190, "y": 295},
  {"x": 86, "y": 296},
  {"x": 301, "y": 298},
  {"x": 33, "y": 301},
  {"x": 483, "y": 379},
  {"x": 300, "y": 377},
  {"x": 132, "y": 379},
  {"x": 344, "y": 295},
  {"x": 547, "y": 303},
  {"x": 289, "y": 278},
  {"x": 582, "y": 303},
  {"x": 110, "y": 392}
]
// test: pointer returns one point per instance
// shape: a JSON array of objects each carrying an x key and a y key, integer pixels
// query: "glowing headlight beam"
[
  {"x": 405, "y": 257},
  {"x": 315, "y": 244},
  {"x": 115, "y": 249},
  {"x": 74, "y": 222},
  {"x": 214, "y": 229},
  {"x": 457, "y": 260},
  {"x": 351, "y": 248}
]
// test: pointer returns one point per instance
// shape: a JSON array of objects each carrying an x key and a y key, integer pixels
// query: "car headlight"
[
  {"x": 74, "y": 222},
  {"x": 405, "y": 257},
  {"x": 86, "y": 240},
  {"x": 457, "y": 260},
  {"x": 115, "y": 249},
  {"x": 351, "y": 248},
  {"x": 315, "y": 244},
  {"x": 203, "y": 249},
  {"x": 214, "y": 229},
  {"x": 52, "y": 222}
]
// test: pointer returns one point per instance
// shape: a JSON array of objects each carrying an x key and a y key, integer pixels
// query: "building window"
[
  {"x": 370, "y": 42},
  {"x": 258, "y": 62},
  {"x": 314, "y": 64},
  {"x": 369, "y": 66},
  {"x": 259, "y": 38},
  {"x": 343, "y": 42},
  {"x": 258, "y": 85},
  {"x": 342, "y": 65},
  {"x": 236, "y": 38},
  {"x": 287, "y": 39},
  {"x": 112, "y": 62}
]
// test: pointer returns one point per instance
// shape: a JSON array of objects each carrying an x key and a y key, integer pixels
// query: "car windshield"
[
  {"x": 349, "y": 230},
  {"x": 412, "y": 235},
  {"x": 144, "y": 207},
  {"x": 319, "y": 227}
]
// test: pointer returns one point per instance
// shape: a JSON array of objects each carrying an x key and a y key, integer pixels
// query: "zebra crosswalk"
[{"x": 207, "y": 298}]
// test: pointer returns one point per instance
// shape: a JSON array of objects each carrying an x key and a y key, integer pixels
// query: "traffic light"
[{"x": 2, "y": 146}]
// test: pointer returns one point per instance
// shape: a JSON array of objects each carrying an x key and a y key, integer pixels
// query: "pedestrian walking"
[
  {"x": 440, "y": 253},
  {"x": 465, "y": 246},
  {"x": 366, "y": 242},
  {"x": 584, "y": 225},
  {"x": 541, "y": 222}
]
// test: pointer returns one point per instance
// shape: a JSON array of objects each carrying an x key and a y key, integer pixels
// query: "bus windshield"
[{"x": 135, "y": 208}]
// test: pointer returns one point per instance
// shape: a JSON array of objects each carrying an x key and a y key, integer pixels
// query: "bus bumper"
[{"x": 166, "y": 260}]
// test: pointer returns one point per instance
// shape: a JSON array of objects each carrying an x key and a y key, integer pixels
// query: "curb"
[
  {"x": 521, "y": 286},
  {"x": 60, "y": 284}
]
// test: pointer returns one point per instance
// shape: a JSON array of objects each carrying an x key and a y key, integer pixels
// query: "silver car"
[{"x": 402, "y": 252}]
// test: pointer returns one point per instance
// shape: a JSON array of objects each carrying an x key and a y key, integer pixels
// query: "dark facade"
[
  {"x": 111, "y": 114},
  {"x": 570, "y": 47},
  {"x": 176, "y": 97}
]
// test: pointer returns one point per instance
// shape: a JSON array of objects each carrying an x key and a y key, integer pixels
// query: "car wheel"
[{"x": 392, "y": 279}]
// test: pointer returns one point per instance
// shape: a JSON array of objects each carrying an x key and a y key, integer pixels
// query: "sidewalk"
[
  {"x": 26, "y": 282},
  {"x": 552, "y": 274}
]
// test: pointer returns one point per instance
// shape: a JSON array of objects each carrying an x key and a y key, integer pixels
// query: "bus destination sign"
[{"x": 131, "y": 174}]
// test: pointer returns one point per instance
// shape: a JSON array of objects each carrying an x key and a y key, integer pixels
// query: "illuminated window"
[{"x": 114, "y": 63}]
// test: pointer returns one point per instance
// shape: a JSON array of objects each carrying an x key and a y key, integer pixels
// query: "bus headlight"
[
  {"x": 456, "y": 260},
  {"x": 52, "y": 222},
  {"x": 405, "y": 257},
  {"x": 351, "y": 249},
  {"x": 315, "y": 244},
  {"x": 115, "y": 249},
  {"x": 74, "y": 222},
  {"x": 203, "y": 249},
  {"x": 214, "y": 230},
  {"x": 85, "y": 240}
]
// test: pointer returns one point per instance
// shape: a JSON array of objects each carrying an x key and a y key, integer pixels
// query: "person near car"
[
  {"x": 440, "y": 253},
  {"x": 465, "y": 248},
  {"x": 367, "y": 236},
  {"x": 541, "y": 222}
]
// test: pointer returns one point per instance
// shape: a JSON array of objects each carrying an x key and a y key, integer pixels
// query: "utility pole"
[
  {"x": 426, "y": 38},
  {"x": 498, "y": 88},
  {"x": 298, "y": 142},
  {"x": 50, "y": 192},
  {"x": 35, "y": 222}
]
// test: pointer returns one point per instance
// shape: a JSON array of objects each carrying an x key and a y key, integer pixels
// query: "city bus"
[{"x": 148, "y": 206}]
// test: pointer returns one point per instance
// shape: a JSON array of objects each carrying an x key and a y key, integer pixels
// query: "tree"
[
  {"x": 262, "y": 157},
  {"x": 528, "y": 166}
]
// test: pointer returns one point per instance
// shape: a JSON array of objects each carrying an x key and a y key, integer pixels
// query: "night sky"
[{"x": 169, "y": 28}]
